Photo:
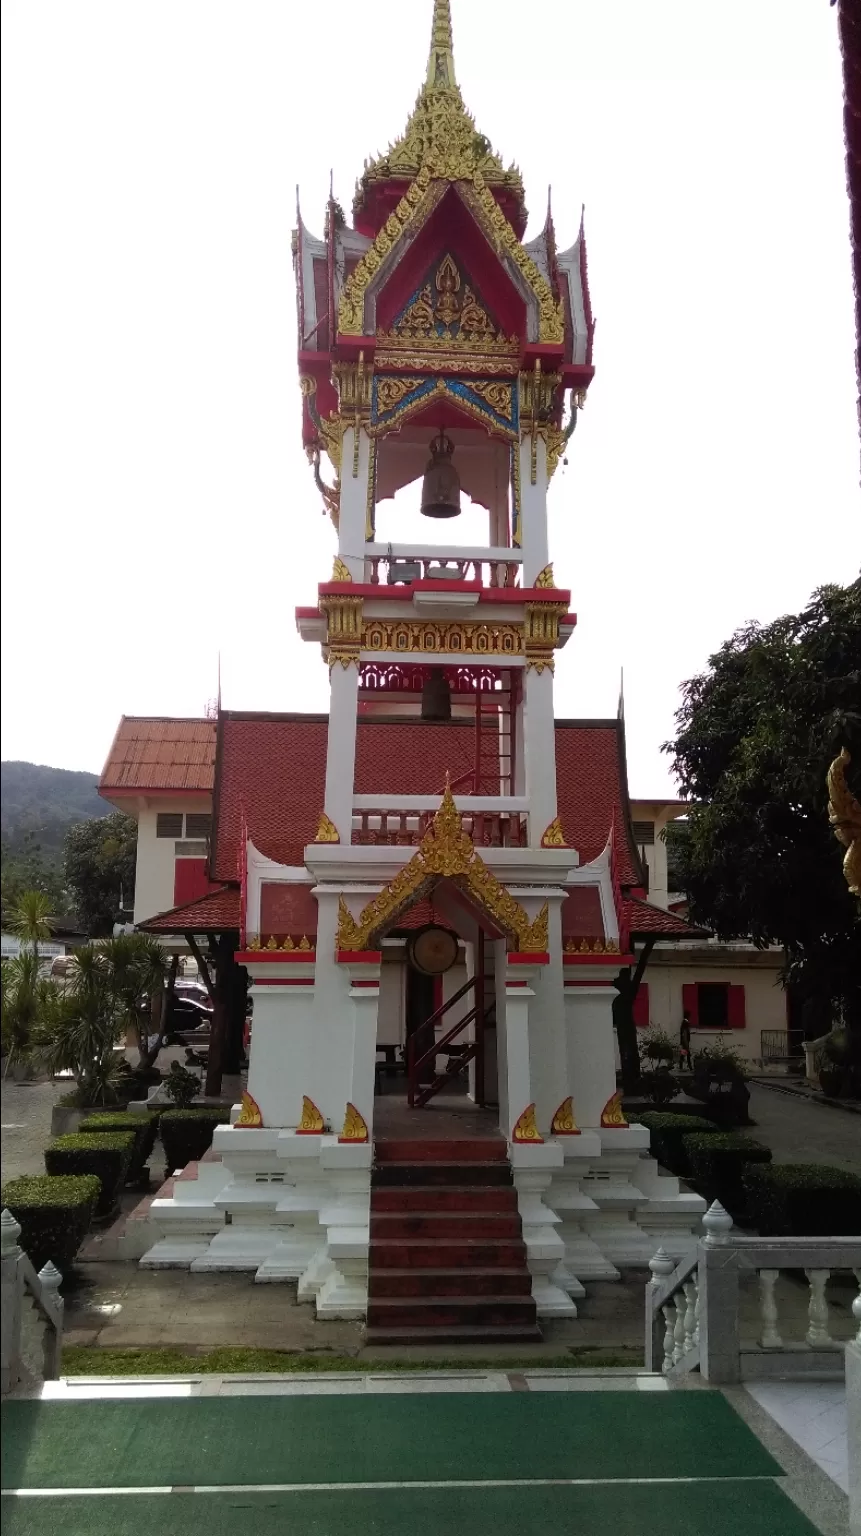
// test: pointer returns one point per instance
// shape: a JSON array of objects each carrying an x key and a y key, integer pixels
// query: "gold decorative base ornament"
[
  {"x": 249, "y": 1118},
  {"x": 327, "y": 832},
  {"x": 312, "y": 1122},
  {"x": 612, "y": 1118},
  {"x": 553, "y": 836},
  {"x": 525, "y": 1128},
  {"x": 563, "y": 1122},
  {"x": 355, "y": 1125}
]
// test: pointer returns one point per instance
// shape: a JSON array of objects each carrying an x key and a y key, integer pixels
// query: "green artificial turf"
[
  {"x": 679, "y": 1509},
  {"x": 87, "y": 1360},
  {"x": 325, "y": 1439}
]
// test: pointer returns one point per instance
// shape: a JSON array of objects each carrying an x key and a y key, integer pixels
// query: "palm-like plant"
[
  {"x": 78, "y": 1029},
  {"x": 136, "y": 968},
  {"x": 28, "y": 920},
  {"x": 20, "y": 1005}
]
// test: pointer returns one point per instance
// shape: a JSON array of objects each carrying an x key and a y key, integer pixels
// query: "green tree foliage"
[
  {"x": 25, "y": 868},
  {"x": 755, "y": 736},
  {"x": 100, "y": 869}
]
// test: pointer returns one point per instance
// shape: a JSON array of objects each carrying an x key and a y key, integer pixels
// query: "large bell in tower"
[{"x": 441, "y": 486}]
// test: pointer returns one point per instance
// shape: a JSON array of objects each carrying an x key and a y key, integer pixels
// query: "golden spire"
[
  {"x": 441, "y": 56},
  {"x": 440, "y": 136}
]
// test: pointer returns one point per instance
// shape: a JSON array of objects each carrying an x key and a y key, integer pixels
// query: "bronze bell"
[
  {"x": 436, "y": 696},
  {"x": 441, "y": 487}
]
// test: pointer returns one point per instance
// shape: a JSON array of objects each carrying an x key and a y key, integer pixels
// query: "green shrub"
[
  {"x": 54, "y": 1215},
  {"x": 803, "y": 1200},
  {"x": 717, "y": 1162},
  {"x": 143, "y": 1128},
  {"x": 106, "y": 1156},
  {"x": 187, "y": 1133},
  {"x": 668, "y": 1133},
  {"x": 181, "y": 1086}
]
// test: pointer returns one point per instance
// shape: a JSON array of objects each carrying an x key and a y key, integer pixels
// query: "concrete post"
[
  {"x": 539, "y": 750},
  {"x": 11, "y": 1295},
  {"x": 853, "y": 1422},
  {"x": 533, "y": 510},
  {"x": 341, "y": 747},
  {"x": 718, "y": 1291}
]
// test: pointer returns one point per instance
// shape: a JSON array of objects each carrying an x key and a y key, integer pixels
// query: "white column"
[
  {"x": 281, "y": 1067},
  {"x": 548, "y": 1061},
  {"x": 333, "y": 1017},
  {"x": 590, "y": 1042},
  {"x": 515, "y": 1084},
  {"x": 352, "y": 519},
  {"x": 365, "y": 998},
  {"x": 341, "y": 747},
  {"x": 533, "y": 510},
  {"x": 539, "y": 751}
]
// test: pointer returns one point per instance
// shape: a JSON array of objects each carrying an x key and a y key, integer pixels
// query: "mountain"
[{"x": 40, "y": 804}]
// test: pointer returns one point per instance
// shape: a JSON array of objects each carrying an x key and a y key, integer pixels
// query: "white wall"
[
  {"x": 765, "y": 999},
  {"x": 156, "y": 855},
  {"x": 661, "y": 812}
]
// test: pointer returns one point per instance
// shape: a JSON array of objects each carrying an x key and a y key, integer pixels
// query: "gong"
[{"x": 432, "y": 950}]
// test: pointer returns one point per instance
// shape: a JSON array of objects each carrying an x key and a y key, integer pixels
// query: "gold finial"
[
  {"x": 545, "y": 577},
  {"x": 844, "y": 814},
  {"x": 553, "y": 836},
  {"x": 525, "y": 1127},
  {"x": 563, "y": 1122},
  {"x": 355, "y": 1125},
  {"x": 311, "y": 1123},
  {"x": 440, "y": 71},
  {"x": 340, "y": 572},
  {"x": 249, "y": 1118},
  {"x": 612, "y": 1117}
]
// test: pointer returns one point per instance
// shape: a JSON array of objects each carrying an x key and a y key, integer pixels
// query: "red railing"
[
  {"x": 395, "y": 829},
  {"x": 423, "y": 1078}
]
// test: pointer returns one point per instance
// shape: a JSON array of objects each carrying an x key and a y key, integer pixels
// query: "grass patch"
[{"x": 84, "y": 1360}]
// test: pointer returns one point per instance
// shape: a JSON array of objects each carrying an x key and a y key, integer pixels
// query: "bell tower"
[{"x": 434, "y": 343}]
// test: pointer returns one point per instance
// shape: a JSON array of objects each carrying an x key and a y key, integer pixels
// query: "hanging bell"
[
  {"x": 441, "y": 486},
  {"x": 436, "y": 696}
]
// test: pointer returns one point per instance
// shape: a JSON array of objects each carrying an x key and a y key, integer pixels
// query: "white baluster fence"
[
  {"x": 692, "y": 1309},
  {"x": 19, "y": 1281}
]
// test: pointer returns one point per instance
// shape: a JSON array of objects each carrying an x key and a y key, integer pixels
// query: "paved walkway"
[
  {"x": 26, "y": 1124},
  {"x": 798, "y": 1131}
]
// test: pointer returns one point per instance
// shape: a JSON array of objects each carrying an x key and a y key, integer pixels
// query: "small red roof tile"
[
  {"x": 644, "y": 920},
  {"x": 208, "y": 914},
  {"x": 159, "y": 753}
]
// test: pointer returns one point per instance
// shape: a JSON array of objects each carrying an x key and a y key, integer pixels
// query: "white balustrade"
[
  {"x": 817, "y": 1335},
  {"x": 768, "y": 1309}
]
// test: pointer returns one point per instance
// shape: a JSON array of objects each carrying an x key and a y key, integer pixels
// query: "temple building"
[{"x": 432, "y": 888}]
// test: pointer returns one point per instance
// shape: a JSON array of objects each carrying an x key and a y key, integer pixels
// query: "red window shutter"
[
  {"x": 735, "y": 1014},
  {"x": 189, "y": 880},
  {"x": 641, "y": 1006},
  {"x": 689, "y": 1002}
]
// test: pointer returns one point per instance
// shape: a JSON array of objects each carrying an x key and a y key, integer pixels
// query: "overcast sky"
[{"x": 157, "y": 503}]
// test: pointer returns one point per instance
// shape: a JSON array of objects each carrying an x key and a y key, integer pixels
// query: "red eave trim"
[
  {"x": 358, "y": 956},
  {"x": 132, "y": 792},
  {"x": 597, "y": 959},
  {"x": 520, "y": 957},
  {"x": 403, "y": 593}
]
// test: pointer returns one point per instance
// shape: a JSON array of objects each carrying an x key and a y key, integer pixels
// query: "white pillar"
[
  {"x": 365, "y": 998},
  {"x": 590, "y": 1042},
  {"x": 281, "y": 1067},
  {"x": 539, "y": 751},
  {"x": 548, "y": 1057},
  {"x": 352, "y": 518},
  {"x": 341, "y": 747},
  {"x": 533, "y": 509},
  {"x": 515, "y": 1083},
  {"x": 333, "y": 1016}
]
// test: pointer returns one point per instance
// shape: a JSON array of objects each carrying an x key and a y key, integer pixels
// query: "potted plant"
[
  {"x": 719, "y": 1079},
  {"x": 834, "y": 1062}
]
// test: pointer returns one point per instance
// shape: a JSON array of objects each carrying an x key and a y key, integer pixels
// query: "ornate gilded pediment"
[
  {"x": 445, "y": 313},
  {"x": 445, "y": 851}
]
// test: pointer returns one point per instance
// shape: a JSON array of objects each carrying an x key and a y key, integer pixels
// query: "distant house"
[
  {"x": 64, "y": 938},
  {"x": 731, "y": 989}
]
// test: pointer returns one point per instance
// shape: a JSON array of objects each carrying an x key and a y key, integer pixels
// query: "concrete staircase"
[{"x": 447, "y": 1261}]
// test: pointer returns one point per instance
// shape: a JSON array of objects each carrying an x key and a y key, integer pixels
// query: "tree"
[
  {"x": 755, "y": 736},
  {"x": 20, "y": 1005},
  {"x": 100, "y": 869},
  {"x": 79, "y": 1027},
  {"x": 136, "y": 967},
  {"x": 25, "y": 869},
  {"x": 28, "y": 920}
]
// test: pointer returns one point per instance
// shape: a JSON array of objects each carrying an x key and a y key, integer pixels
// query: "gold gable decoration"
[{"x": 445, "y": 851}]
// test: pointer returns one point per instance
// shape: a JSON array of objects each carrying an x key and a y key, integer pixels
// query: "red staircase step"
[
  {"x": 451, "y": 1312},
  {"x": 388, "y": 1175},
  {"x": 477, "y": 1150},
  {"x": 446, "y": 1255},
  {"x": 453, "y": 1197},
  {"x": 478, "y": 1225},
  {"x": 449, "y": 1282}
]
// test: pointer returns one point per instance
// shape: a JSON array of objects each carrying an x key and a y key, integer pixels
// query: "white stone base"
[{"x": 296, "y": 1208}]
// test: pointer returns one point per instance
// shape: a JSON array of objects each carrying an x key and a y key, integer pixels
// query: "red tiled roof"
[
  {"x": 211, "y": 913},
  {"x": 160, "y": 753},
  {"x": 643, "y": 920},
  {"x": 274, "y": 766}
]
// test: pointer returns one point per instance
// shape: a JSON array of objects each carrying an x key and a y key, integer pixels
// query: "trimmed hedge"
[
  {"x": 668, "y": 1133},
  {"x": 803, "y": 1200},
  {"x": 717, "y": 1162},
  {"x": 54, "y": 1215},
  {"x": 143, "y": 1128},
  {"x": 106, "y": 1156},
  {"x": 187, "y": 1133}
]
